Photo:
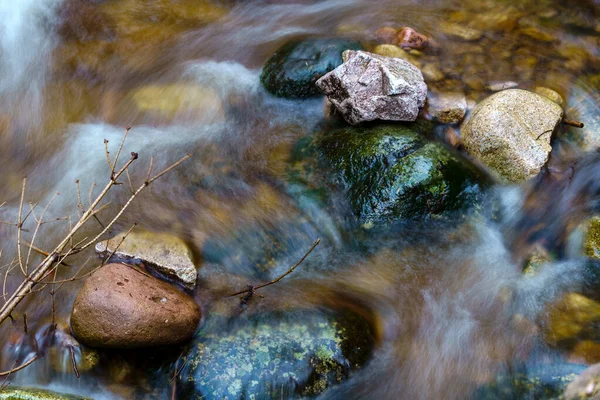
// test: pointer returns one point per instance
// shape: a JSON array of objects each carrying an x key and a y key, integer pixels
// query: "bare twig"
[
  {"x": 112, "y": 170},
  {"x": 49, "y": 263},
  {"x": 20, "y": 367},
  {"x": 576, "y": 124},
  {"x": 73, "y": 361},
  {"x": 20, "y": 226},
  {"x": 252, "y": 289}
]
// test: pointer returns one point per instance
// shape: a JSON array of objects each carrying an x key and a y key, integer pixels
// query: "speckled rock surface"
[
  {"x": 167, "y": 254},
  {"x": 585, "y": 386},
  {"x": 447, "y": 107},
  {"x": 510, "y": 132},
  {"x": 17, "y": 393},
  {"x": 275, "y": 355},
  {"x": 120, "y": 307},
  {"x": 369, "y": 87}
]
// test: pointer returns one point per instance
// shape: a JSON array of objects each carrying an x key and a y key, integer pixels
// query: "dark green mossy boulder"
[
  {"x": 274, "y": 355},
  {"x": 293, "y": 70},
  {"x": 390, "y": 172}
]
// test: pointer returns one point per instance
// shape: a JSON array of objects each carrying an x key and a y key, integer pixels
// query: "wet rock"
[
  {"x": 182, "y": 101},
  {"x": 408, "y": 38},
  {"x": 537, "y": 257},
  {"x": 369, "y": 87},
  {"x": 121, "y": 307},
  {"x": 537, "y": 34},
  {"x": 164, "y": 253},
  {"x": 460, "y": 31},
  {"x": 583, "y": 104},
  {"x": 390, "y": 172},
  {"x": 17, "y": 393},
  {"x": 432, "y": 73},
  {"x": 592, "y": 237},
  {"x": 452, "y": 137},
  {"x": 585, "y": 386},
  {"x": 447, "y": 108},
  {"x": 573, "y": 316},
  {"x": 393, "y": 51},
  {"x": 293, "y": 70},
  {"x": 386, "y": 34},
  {"x": 497, "y": 86},
  {"x": 550, "y": 94},
  {"x": 510, "y": 132},
  {"x": 540, "y": 382},
  {"x": 275, "y": 355}
]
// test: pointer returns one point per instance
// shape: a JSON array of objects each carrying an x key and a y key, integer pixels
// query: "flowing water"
[{"x": 450, "y": 304}]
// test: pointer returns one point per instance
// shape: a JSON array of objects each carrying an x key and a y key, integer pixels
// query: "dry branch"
[
  {"x": 66, "y": 247},
  {"x": 251, "y": 290}
]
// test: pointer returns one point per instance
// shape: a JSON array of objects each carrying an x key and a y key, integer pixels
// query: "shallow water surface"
[{"x": 448, "y": 304}]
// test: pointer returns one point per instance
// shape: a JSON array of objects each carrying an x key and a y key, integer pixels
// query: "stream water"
[{"x": 448, "y": 299}]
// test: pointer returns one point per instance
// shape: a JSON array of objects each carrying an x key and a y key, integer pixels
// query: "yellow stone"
[
  {"x": 186, "y": 101},
  {"x": 592, "y": 239},
  {"x": 390, "y": 50},
  {"x": 570, "y": 316}
]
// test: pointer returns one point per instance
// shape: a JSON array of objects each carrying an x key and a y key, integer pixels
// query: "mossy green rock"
[
  {"x": 274, "y": 355},
  {"x": 16, "y": 393},
  {"x": 293, "y": 70},
  {"x": 390, "y": 172}
]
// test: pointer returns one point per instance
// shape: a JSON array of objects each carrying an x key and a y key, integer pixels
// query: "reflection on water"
[{"x": 447, "y": 299}]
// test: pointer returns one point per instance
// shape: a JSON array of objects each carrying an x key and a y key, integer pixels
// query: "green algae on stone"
[
  {"x": 275, "y": 355},
  {"x": 293, "y": 70},
  {"x": 390, "y": 172},
  {"x": 539, "y": 382},
  {"x": 17, "y": 393}
]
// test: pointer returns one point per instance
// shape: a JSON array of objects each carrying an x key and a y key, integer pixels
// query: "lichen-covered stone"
[
  {"x": 165, "y": 253},
  {"x": 293, "y": 70},
  {"x": 18, "y": 393},
  {"x": 510, "y": 132},
  {"x": 536, "y": 382},
  {"x": 275, "y": 355},
  {"x": 369, "y": 87},
  {"x": 390, "y": 172}
]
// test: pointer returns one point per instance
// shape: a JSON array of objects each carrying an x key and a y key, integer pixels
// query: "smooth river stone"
[
  {"x": 122, "y": 307},
  {"x": 510, "y": 132}
]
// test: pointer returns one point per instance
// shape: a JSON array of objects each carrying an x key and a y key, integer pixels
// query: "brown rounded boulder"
[{"x": 121, "y": 307}]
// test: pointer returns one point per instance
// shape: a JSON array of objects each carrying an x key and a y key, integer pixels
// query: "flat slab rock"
[
  {"x": 121, "y": 307},
  {"x": 166, "y": 254},
  {"x": 510, "y": 132},
  {"x": 368, "y": 87}
]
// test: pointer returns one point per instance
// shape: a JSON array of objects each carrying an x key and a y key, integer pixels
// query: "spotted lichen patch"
[{"x": 275, "y": 355}]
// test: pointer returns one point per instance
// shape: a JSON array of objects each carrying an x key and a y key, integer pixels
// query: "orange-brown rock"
[{"x": 121, "y": 307}]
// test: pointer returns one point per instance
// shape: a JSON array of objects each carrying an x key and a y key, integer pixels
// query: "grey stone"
[
  {"x": 510, "y": 132},
  {"x": 167, "y": 254},
  {"x": 369, "y": 87}
]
